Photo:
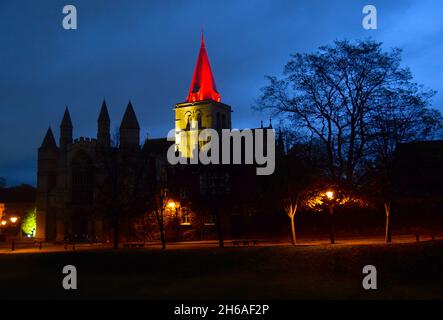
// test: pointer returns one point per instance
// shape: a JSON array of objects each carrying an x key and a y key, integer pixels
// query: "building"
[
  {"x": 68, "y": 172},
  {"x": 418, "y": 191},
  {"x": 71, "y": 173},
  {"x": 15, "y": 204},
  {"x": 418, "y": 169},
  {"x": 203, "y": 106}
]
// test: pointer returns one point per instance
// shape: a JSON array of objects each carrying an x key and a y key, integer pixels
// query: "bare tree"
[
  {"x": 399, "y": 118},
  {"x": 296, "y": 175},
  {"x": 333, "y": 95},
  {"x": 291, "y": 206},
  {"x": 158, "y": 204},
  {"x": 122, "y": 186}
]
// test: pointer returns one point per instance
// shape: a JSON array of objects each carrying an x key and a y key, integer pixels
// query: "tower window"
[
  {"x": 188, "y": 121},
  {"x": 199, "y": 120}
]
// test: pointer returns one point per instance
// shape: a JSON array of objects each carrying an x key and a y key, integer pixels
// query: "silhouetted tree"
[
  {"x": 359, "y": 102},
  {"x": 122, "y": 186},
  {"x": 157, "y": 205},
  {"x": 296, "y": 175},
  {"x": 336, "y": 94},
  {"x": 401, "y": 117},
  {"x": 217, "y": 195}
]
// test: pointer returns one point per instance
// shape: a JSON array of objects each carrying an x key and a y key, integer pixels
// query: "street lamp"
[
  {"x": 13, "y": 219},
  {"x": 4, "y": 222},
  {"x": 171, "y": 204},
  {"x": 174, "y": 206},
  {"x": 330, "y": 197}
]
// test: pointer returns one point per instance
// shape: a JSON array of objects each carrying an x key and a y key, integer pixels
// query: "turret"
[
  {"x": 203, "y": 84},
  {"x": 129, "y": 129},
  {"x": 66, "y": 130},
  {"x": 104, "y": 127},
  {"x": 46, "y": 179},
  {"x": 48, "y": 143},
  {"x": 47, "y": 163},
  {"x": 203, "y": 106}
]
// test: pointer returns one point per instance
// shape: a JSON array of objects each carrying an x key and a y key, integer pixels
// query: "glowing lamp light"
[
  {"x": 330, "y": 195},
  {"x": 171, "y": 204},
  {"x": 13, "y": 219},
  {"x": 3, "y": 222}
]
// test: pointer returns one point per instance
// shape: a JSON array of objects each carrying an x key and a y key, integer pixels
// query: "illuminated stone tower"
[{"x": 202, "y": 107}]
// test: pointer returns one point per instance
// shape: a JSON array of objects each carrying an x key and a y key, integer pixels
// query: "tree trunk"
[
  {"x": 162, "y": 229},
  {"x": 388, "y": 236},
  {"x": 220, "y": 234},
  {"x": 163, "y": 238},
  {"x": 331, "y": 224},
  {"x": 116, "y": 232},
  {"x": 293, "y": 235},
  {"x": 219, "y": 228}
]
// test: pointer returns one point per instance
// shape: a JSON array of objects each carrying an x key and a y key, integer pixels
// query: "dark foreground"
[{"x": 405, "y": 271}]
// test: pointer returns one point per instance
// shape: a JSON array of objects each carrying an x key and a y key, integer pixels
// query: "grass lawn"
[{"x": 405, "y": 271}]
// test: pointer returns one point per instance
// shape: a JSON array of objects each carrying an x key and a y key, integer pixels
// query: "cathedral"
[{"x": 69, "y": 172}]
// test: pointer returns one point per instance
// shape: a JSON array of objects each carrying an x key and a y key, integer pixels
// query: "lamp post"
[
  {"x": 173, "y": 207},
  {"x": 161, "y": 215},
  {"x": 171, "y": 204},
  {"x": 330, "y": 200}
]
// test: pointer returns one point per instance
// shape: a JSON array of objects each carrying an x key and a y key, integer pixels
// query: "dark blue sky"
[{"x": 146, "y": 50}]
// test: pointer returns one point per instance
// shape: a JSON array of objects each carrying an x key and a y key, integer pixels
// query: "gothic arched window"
[
  {"x": 188, "y": 120},
  {"x": 199, "y": 120}
]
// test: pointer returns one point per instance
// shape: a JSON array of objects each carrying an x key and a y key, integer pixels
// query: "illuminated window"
[
  {"x": 188, "y": 121},
  {"x": 185, "y": 217}
]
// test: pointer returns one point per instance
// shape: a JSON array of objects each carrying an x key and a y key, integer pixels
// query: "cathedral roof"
[
  {"x": 203, "y": 84},
  {"x": 158, "y": 146},
  {"x": 130, "y": 119},
  {"x": 49, "y": 141},
  {"x": 66, "y": 122},
  {"x": 104, "y": 114}
]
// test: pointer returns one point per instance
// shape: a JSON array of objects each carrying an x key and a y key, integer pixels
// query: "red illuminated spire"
[{"x": 203, "y": 84}]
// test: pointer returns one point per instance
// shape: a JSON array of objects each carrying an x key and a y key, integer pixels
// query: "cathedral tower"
[
  {"x": 203, "y": 106},
  {"x": 46, "y": 181},
  {"x": 66, "y": 130},
  {"x": 129, "y": 129},
  {"x": 104, "y": 127}
]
